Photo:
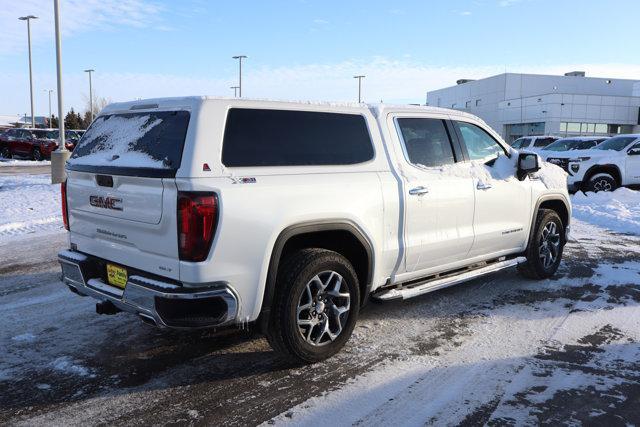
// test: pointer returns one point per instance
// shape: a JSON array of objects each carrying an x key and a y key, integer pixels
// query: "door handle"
[
  {"x": 419, "y": 191},
  {"x": 483, "y": 185}
]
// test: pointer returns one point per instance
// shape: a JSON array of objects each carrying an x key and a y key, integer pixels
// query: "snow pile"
[
  {"x": 116, "y": 136},
  {"x": 503, "y": 169},
  {"x": 28, "y": 204},
  {"x": 67, "y": 365},
  {"x": 26, "y": 338},
  {"x": 16, "y": 162},
  {"x": 618, "y": 211}
]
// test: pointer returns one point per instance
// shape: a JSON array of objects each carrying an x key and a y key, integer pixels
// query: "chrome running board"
[{"x": 433, "y": 283}]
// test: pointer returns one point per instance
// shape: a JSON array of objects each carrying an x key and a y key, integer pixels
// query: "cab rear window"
[
  {"x": 133, "y": 144},
  {"x": 258, "y": 137}
]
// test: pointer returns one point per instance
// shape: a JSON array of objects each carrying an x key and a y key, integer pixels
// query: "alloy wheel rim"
[
  {"x": 323, "y": 308},
  {"x": 602, "y": 185},
  {"x": 549, "y": 248}
]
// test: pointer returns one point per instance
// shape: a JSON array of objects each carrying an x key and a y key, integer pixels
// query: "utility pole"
[
  {"x": 240, "y": 58},
  {"x": 235, "y": 90},
  {"x": 359, "y": 87},
  {"x": 28, "y": 19},
  {"x": 60, "y": 156},
  {"x": 90, "y": 92}
]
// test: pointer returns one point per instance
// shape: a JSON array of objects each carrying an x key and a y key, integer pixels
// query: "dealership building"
[{"x": 516, "y": 105}]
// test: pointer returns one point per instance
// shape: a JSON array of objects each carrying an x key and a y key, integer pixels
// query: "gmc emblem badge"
[{"x": 106, "y": 202}]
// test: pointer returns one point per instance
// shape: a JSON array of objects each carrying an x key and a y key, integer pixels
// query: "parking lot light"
[
  {"x": 60, "y": 156},
  {"x": 28, "y": 19},
  {"x": 90, "y": 92},
  {"x": 359, "y": 87},
  {"x": 240, "y": 58}
]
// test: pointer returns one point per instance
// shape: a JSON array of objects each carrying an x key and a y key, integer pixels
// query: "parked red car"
[{"x": 36, "y": 144}]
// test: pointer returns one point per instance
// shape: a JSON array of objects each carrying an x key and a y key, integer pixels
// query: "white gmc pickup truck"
[{"x": 204, "y": 212}]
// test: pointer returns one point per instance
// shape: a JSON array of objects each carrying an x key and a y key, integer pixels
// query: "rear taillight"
[
  {"x": 65, "y": 210},
  {"x": 197, "y": 218}
]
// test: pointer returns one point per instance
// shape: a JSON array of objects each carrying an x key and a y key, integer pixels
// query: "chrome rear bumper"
[{"x": 165, "y": 304}]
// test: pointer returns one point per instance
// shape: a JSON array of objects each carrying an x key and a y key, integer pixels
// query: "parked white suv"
[
  {"x": 203, "y": 212},
  {"x": 613, "y": 163},
  {"x": 533, "y": 143}
]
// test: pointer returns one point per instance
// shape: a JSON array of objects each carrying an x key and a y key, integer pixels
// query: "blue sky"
[{"x": 307, "y": 49}]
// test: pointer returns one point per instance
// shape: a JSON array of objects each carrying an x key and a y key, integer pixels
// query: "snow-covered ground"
[
  {"x": 18, "y": 162},
  {"x": 618, "y": 211},
  {"x": 497, "y": 350},
  {"x": 28, "y": 204}
]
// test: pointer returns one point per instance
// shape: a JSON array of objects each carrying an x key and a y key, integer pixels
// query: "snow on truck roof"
[{"x": 377, "y": 109}]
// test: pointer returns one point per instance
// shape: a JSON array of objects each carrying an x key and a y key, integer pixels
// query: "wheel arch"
[
  {"x": 342, "y": 236},
  {"x": 556, "y": 203},
  {"x": 611, "y": 169}
]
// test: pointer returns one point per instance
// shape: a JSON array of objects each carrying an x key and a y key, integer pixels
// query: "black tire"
[
  {"x": 5, "y": 152},
  {"x": 36, "y": 154},
  {"x": 283, "y": 333},
  {"x": 602, "y": 182},
  {"x": 536, "y": 266}
]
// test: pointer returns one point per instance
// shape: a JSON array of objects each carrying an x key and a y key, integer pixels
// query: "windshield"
[
  {"x": 616, "y": 143},
  {"x": 133, "y": 141},
  {"x": 560, "y": 145},
  {"x": 521, "y": 143},
  {"x": 42, "y": 134}
]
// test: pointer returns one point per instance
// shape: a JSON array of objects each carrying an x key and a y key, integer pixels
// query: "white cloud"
[
  {"x": 77, "y": 16},
  {"x": 386, "y": 79},
  {"x": 465, "y": 13},
  {"x": 320, "y": 21},
  {"x": 507, "y": 3}
]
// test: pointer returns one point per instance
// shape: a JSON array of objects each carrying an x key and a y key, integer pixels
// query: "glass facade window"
[
  {"x": 573, "y": 127},
  {"x": 589, "y": 128},
  {"x": 601, "y": 128}
]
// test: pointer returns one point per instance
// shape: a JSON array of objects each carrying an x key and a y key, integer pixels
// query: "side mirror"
[
  {"x": 635, "y": 151},
  {"x": 527, "y": 163}
]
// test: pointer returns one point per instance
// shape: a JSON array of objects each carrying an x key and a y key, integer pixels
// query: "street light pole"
[
  {"x": 235, "y": 90},
  {"x": 28, "y": 19},
  {"x": 90, "y": 92},
  {"x": 60, "y": 156},
  {"x": 49, "y": 91},
  {"x": 240, "y": 58},
  {"x": 359, "y": 87}
]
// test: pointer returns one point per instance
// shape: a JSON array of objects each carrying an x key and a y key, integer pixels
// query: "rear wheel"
[
  {"x": 315, "y": 307},
  {"x": 5, "y": 152},
  {"x": 602, "y": 182},
  {"x": 544, "y": 252},
  {"x": 36, "y": 154}
]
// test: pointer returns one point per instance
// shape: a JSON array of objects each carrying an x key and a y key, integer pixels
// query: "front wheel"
[
  {"x": 544, "y": 252},
  {"x": 602, "y": 182},
  {"x": 315, "y": 307},
  {"x": 5, "y": 152},
  {"x": 36, "y": 155}
]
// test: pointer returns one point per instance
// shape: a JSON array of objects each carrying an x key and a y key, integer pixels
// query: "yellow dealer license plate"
[{"x": 117, "y": 276}]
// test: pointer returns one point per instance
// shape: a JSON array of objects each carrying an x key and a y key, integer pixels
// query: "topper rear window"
[
  {"x": 255, "y": 137},
  {"x": 140, "y": 144}
]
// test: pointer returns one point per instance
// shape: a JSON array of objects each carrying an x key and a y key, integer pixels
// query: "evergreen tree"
[
  {"x": 71, "y": 120},
  {"x": 87, "y": 119},
  {"x": 80, "y": 122}
]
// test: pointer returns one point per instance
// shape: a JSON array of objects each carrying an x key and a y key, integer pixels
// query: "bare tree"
[{"x": 99, "y": 102}]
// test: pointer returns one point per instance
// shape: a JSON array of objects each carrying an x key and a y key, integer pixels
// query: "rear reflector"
[
  {"x": 197, "y": 219},
  {"x": 65, "y": 211}
]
